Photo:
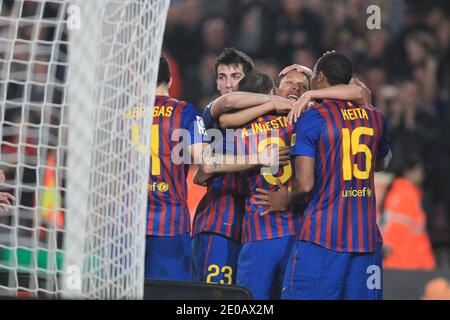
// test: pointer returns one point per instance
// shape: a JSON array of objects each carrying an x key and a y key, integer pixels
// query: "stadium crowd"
[
  {"x": 405, "y": 64},
  {"x": 33, "y": 76}
]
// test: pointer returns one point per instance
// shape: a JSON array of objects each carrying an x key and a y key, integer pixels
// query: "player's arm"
[
  {"x": 282, "y": 199},
  {"x": 366, "y": 98},
  {"x": 307, "y": 132},
  {"x": 201, "y": 153},
  {"x": 275, "y": 200},
  {"x": 241, "y": 117},
  {"x": 200, "y": 177},
  {"x": 383, "y": 163},
  {"x": 384, "y": 154},
  {"x": 212, "y": 163},
  {"x": 304, "y": 179},
  {"x": 239, "y": 100},
  {"x": 341, "y": 92}
]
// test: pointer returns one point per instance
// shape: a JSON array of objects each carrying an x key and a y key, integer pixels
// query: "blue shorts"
[
  {"x": 314, "y": 272},
  {"x": 168, "y": 257},
  {"x": 214, "y": 258},
  {"x": 261, "y": 266}
]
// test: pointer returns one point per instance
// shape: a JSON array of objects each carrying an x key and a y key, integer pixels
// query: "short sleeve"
[
  {"x": 208, "y": 120},
  {"x": 383, "y": 146},
  {"x": 194, "y": 124},
  {"x": 306, "y": 133}
]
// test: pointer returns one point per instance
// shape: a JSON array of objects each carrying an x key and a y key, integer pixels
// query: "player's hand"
[
  {"x": 300, "y": 106},
  {"x": 367, "y": 94},
  {"x": 272, "y": 156},
  {"x": 284, "y": 106},
  {"x": 307, "y": 71},
  {"x": 275, "y": 200}
]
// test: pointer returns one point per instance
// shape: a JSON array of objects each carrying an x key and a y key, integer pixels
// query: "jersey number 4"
[{"x": 154, "y": 147}]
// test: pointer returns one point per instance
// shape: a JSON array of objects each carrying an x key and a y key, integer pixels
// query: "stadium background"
[{"x": 405, "y": 64}]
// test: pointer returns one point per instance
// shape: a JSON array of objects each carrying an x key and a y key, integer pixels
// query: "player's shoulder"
[
  {"x": 165, "y": 100},
  {"x": 268, "y": 117},
  {"x": 372, "y": 110},
  {"x": 318, "y": 109},
  {"x": 314, "y": 110},
  {"x": 181, "y": 104},
  {"x": 311, "y": 118}
]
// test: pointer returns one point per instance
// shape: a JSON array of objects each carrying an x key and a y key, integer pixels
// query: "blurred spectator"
[
  {"x": 304, "y": 56},
  {"x": 406, "y": 241},
  {"x": 268, "y": 66},
  {"x": 412, "y": 125},
  {"x": 214, "y": 34},
  {"x": 250, "y": 36},
  {"x": 376, "y": 52},
  {"x": 348, "y": 28},
  {"x": 437, "y": 289},
  {"x": 200, "y": 83},
  {"x": 182, "y": 37},
  {"x": 405, "y": 64},
  {"x": 376, "y": 78},
  {"x": 296, "y": 26},
  {"x": 421, "y": 65}
]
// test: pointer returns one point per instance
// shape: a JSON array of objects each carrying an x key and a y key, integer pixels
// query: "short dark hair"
[
  {"x": 256, "y": 82},
  {"x": 163, "y": 71},
  {"x": 233, "y": 57},
  {"x": 337, "y": 67}
]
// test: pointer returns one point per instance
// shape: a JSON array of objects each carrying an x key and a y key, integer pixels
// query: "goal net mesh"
[{"x": 69, "y": 72}]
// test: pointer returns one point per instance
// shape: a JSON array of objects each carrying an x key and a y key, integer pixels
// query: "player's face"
[
  {"x": 293, "y": 85},
  {"x": 228, "y": 77}
]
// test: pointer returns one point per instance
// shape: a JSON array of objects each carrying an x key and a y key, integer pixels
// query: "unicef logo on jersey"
[
  {"x": 357, "y": 193},
  {"x": 161, "y": 186}
]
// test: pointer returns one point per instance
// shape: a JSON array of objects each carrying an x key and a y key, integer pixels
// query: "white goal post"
[{"x": 69, "y": 70}]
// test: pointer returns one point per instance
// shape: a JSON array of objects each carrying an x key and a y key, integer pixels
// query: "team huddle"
[{"x": 289, "y": 211}]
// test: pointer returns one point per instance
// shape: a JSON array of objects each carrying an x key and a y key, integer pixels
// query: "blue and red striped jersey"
[
  {"x": 222, "y": 207},
  {"x": 252, "y": 139},
  {"x": 346, "y": 140},
  {"x": 167, "y": 211}
]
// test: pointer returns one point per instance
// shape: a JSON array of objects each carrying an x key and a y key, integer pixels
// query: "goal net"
[{"x": 69, "y": 72}]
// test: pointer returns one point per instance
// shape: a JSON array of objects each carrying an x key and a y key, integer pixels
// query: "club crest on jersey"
[
  {"x": 161, "y": 186},
  {"x": 201, "y": 126},
  {"x": 293, "y": 139}
]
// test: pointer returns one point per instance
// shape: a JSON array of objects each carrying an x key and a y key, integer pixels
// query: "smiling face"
[
  {"x": 228, "y": 77},
  {"x": 293, "y": 85}
]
